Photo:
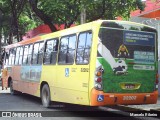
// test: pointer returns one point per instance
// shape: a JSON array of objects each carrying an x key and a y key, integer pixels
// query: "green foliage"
[
  {"x": 18, "y": 15},
  {"x": 62, "y": 11},
  {"x": 28, "y": 20},
  {"x": 110, "y": 9},
  {"x": 5, "y": 16},
  {"x": 25, "y": 21}
]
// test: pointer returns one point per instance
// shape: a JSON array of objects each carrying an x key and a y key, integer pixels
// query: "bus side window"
[
  {"x": 50, "y": 55},
  {"x": 83, "y": 47},
  {"x": 6, "y": 59},
  {"x": 17, "y": 55},
  {"x": 21, "y": 55},
  {"x": 40, "y": 53},
  {"x": 54, "y": 52},
  {"x": 25, "y": 60},
  {"x": 29, "y": 56},
  {"x": 67, "y": 50},
  {"x": 37, "y": 53},
  {"x": 12, "y": 54},
  {"x": 10, "y": 58}
]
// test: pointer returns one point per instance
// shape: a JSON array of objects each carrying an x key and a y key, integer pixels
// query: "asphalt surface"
[{"x": 23, "y": 103}]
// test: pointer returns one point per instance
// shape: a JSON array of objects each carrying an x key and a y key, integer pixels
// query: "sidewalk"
[
  {"x": 4, "y": 91},
  {"x": 146, "y": 107}
]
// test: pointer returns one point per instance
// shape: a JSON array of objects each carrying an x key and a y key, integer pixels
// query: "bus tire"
[
  {"x": 45, "y": 96},
  {"x": 12, "y": 91}
]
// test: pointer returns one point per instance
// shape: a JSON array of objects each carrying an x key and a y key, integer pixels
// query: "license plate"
[{"x": 129, "y": 86}]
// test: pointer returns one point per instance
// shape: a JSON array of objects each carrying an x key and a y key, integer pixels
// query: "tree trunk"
[
  {"x": 10, "y": 40},
  {"x": 0, "y": 45},
  {"x": 83, "y": 15},
  {"x": 0, "y": 33},
  {"x": 42, "y": 16}
]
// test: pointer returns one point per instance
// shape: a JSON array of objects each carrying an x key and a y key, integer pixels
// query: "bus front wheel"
[{"x": 45, "y": 96}]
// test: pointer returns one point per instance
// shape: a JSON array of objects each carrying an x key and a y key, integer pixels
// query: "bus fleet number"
[
  {"x": 129, "y": 97},
  {"x": 84, "y": 70}
]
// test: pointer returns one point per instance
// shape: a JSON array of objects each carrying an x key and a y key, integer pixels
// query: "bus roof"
[
  {"x": 23, "y": 42},
  {"x": 72, "y": 30}
]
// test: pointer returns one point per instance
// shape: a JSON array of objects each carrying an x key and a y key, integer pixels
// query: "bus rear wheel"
[
  {"x": 12, "y": 91},
  {"x": 45, "y": 96}
]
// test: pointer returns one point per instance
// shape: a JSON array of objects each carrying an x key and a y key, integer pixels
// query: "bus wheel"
[
  {"x": 45, "y": 96},
  {"x": 11, "y": 88}
]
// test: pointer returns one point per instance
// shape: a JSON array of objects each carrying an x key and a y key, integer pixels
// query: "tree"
[
  {"x": 110, "y": 9},
  {"x": 45, "y": 18},
  {"x": 17, "y": 19},
  {"x": 4, "y": 18},
  {"x": 28, "y": 20},
  {"x": 16, "y": 9},
  {"x": 12, "y": 10},
  {"x": 67, "y": 12},
  {"x": 56, "y": 11},
  {"x": 23, "y": 15}
]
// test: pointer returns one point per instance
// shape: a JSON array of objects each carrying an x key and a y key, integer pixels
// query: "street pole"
[{"x": 83, "y": 15}]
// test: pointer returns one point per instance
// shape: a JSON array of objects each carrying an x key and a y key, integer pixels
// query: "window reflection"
[
  {"x": 67, "y": 50},
  {"x": 84, "y": 46},
  {"x": 12, "y": 55},
  {"x": 17, "y": 55},
  {"x": 51, "y": 51},
  {"x": 25, "y": 54},
  {"x": 29, "y": 57},
  {"x": 20, "y": 56},
  {"x": 37, "y": 53}
]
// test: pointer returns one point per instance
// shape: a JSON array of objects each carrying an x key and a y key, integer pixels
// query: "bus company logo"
[
  {"x": 100, "y": 98},
  {"x": 66, "y": 72},
  {"x": 6, "y": 114}
]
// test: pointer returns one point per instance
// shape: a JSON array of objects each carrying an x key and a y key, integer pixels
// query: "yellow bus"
[{"x": 104, "y": 62}]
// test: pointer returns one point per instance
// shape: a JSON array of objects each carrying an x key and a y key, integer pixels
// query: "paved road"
[{"x": 24, "y": 103}]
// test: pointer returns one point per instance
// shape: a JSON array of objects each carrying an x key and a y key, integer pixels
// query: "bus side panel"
[
  {"x": 72, "y": 84},
  {"x": 15, "y": 75},
  {"x": 93, "y": 59},
  {"x": 49, "y": 75},
  {"x": 29, "y": 79},
  {"x": 69, "y": 96}
]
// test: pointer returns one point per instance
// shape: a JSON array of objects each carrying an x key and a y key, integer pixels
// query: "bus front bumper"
[{"x": 99, "y": 98}]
